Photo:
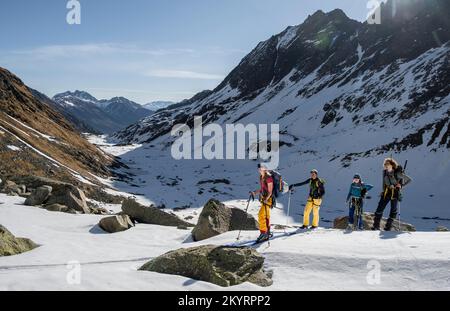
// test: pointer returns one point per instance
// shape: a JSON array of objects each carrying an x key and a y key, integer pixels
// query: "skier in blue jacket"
[{"x": 355, "y": 199}]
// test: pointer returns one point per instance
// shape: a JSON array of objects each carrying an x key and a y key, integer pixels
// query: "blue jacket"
[{"x": 356, "y": 189}]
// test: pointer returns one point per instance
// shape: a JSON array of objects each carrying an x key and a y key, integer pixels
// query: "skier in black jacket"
[
  {"x": 394, "y": 179},
  {"x": 316, "y": 192}
]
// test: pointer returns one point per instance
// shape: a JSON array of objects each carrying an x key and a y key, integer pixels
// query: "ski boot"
[
  {"x": 389, "y": 224},
  {"x": 313, "y": 228},
  {"x": 303, "y": 227},
  {"x": 263, "y": 238}
]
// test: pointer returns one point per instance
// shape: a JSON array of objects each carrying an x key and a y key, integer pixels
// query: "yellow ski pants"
[
  {"x": 314, "y": 206},
  {"x": 264, "y": 216}
]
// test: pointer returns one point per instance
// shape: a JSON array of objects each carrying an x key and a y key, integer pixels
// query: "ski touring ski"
[{"x": 276, "y": 235}]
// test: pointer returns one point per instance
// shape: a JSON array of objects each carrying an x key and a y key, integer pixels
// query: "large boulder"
[
  {"x": 151, "y": 214},
  {"x": 224, "y": 266},
  {"x": 70, "y": 196},
  {"x": 217, "y": 218},
  {"x": 10, "y": 245},
  {"x": 368, "y": 219},
  {"x": 116, "y": 223},
  {"x": 39, "y": 196}
]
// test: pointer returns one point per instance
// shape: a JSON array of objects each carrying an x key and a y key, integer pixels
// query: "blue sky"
[{"x": 144, "y": 50}]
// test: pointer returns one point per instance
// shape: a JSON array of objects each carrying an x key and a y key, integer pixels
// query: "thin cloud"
[
  {"x": 52, "y": 51},
  {"x": 181, "y": 74}
]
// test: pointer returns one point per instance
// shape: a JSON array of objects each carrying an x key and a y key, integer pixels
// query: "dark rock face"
[
  {"x": 368, "y": 219},
  {"x": 10, "y": 245},
  {"x": 216, "y": 218},
  {"x": 218, "y": 265},
  {"x": 151, "y": 215}
]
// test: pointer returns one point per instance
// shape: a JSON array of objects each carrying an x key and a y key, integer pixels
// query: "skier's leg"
[
  {"x": 268, "y": 208},
  {"x": 392, "y": 215},
  {"x": 262, "y": 219},
  {"x": 351, "y": 214},
  {"x": 361, "y": 224},
  {"x": 316, "y": 211},
  {"x": 307, "y": 212},
  {"x": 379, "y": 212}
]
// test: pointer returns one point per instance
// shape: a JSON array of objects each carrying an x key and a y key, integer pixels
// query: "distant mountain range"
[{"x": 89, "y": 114}]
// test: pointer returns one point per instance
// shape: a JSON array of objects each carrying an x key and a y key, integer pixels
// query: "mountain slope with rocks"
[
  {"x": 35, "y": 139},
  {"x": 345, "y": 94}
]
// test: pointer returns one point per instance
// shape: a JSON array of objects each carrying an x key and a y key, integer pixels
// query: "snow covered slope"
[
  {"x": 345, "y": 94},
  {"x": 322, "y": 260},
  {"x": 157, "y": 105}
]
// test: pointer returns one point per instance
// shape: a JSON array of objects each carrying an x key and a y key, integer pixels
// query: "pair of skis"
[{"x": 253, "y": 243}]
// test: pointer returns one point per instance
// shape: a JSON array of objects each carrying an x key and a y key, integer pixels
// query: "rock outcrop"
[
  {"x": 217, "y": 218},
  {"x": 224, "y": 266},
  {"x": 151, "y": 214},
  {"x": 10, "y": 245},
  {"x": 368, "y": 219}
]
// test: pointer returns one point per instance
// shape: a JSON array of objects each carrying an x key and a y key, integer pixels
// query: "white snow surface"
[{"x": 322, "y": 260}]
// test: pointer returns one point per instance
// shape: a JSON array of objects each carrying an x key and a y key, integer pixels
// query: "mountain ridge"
[{"x": 98, "y": 116}]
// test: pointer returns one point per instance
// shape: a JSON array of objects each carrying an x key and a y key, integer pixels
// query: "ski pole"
[
  {"x": 251, "y": 198},
  {"x": 288, "y": 211},
  {"x": 399, "y": 203}
]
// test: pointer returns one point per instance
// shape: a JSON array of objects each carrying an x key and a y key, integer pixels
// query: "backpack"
[
  {"x": 279, "y": 185},
  {"x": 320, "y": 191}
]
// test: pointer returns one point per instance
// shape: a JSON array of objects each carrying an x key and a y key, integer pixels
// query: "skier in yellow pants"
[
  {"x": 316, "y": 192},
  {"x": 266, "y": 199},
  {"x": 314, "y": 206}
]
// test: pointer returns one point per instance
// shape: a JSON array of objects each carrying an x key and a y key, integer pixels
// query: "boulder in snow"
[
  {"x": 368, "y": 219},
  {"x": 70, "y": 196},
  {"x": 39, "y": 196},
  {"x": 217, "y": 218},
  {"x": 62, "y": 193},
  {"x": 10, "y": 245},
  {"x": 223, "y": 266},
  {"x": 116, "y": 223},
  {"x": 151, "y": 214}
]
